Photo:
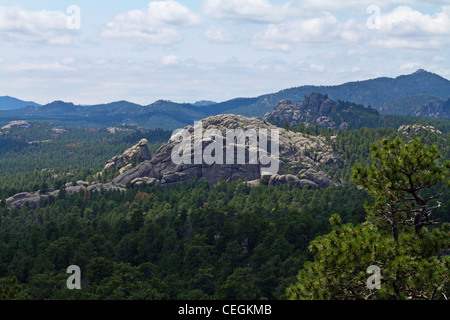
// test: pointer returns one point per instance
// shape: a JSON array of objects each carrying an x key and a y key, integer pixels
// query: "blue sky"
[{"x": 187, "y": 51}]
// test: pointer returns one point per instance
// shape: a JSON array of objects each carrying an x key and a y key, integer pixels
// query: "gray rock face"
[
  {"x": 297, "y": 149},
  {"x": 277, "y": 179},
  {"x": 58, "y": 130},
  {"x": 412, "y": 130},
  {"x": 17, "y": 124},
  {"x": 318, "y": 177},
  {"x": 35, "y": 199},
  {"x": 143, "y": 169},
  {"x": 139, "y": 151},
  {"x": 315, "y": 109},
  {"x": 438, "y": 109},
  {"x": 318, "y": 109},
  {"x": 306, "y": 177}
]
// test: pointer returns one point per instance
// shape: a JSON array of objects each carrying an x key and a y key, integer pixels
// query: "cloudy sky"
[{"x": 100, "y": 51}]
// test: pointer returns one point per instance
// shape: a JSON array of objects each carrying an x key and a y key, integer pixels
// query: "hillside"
[
  {"x": 387, "y": 95},
  {"x": 160, "y": 114},
  {"x": 318, "y": 109},
  {"x": 437, "y": 109},
  {"x": 10, "y": 103},
  {"x": 403, "y": 105},
  {"x": 201, "y": 238},
  {"x": 375, "y": 92}
]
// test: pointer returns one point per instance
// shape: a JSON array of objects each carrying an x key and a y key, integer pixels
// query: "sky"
[{"x": 90, "y": 52}]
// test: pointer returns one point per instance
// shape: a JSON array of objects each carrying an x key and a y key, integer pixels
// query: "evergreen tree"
[
  {"x": 412, "y": 265},
  {"x": 397, "y": 181}
]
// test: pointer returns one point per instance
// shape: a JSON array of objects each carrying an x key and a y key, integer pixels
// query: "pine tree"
[
  {"x": 397, "y": 180},
  {"x": 412, "y": 264}
]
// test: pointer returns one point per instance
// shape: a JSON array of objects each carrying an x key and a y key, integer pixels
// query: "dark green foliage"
[
  {"x": 64, "y": 157},
  {"x": 410, "y": 269},
  {"x": 402, "y": 106},
  {"x": 414, "y": 263},
  {"x": 374, "y": 92},
  {"x": 197, "y": 241},
  {"x": 397, "y": 182}
]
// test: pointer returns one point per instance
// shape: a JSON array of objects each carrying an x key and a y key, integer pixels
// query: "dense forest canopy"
[{"x": 194, "y": 241}]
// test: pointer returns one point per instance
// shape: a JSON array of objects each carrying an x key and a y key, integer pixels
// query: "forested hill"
[
  {"x": 317, "y": 109},
  {"x": 437, "y": 109},
  {"x": 377, "y": 93},
  {"x": 226, "y": 240},
  {"x": 10, "y": 103},
  {"x": 395, "y": 96}
]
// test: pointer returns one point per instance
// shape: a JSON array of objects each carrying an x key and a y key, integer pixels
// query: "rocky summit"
[
  {"x": 318, "y": 109},
  {"x": 297, "y": 150}
]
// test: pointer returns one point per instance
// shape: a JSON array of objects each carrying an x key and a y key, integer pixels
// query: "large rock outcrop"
[
  {"x": 17, "y": 124},
  {"x": 35, "y": 199},
  {"x": 318, "y": 109},
  {"x": 295, "y": 149},
  {"x": 137, "y": 153},
  {"x": 298, "y": 151}
]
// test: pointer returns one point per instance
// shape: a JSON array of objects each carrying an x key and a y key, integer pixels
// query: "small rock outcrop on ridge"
[
  {"x": 137, "y": 153},
  {"x": 415, "y": 129},
  {"x": 17, "y": 124},
  {"x": 36, "y": 199}
]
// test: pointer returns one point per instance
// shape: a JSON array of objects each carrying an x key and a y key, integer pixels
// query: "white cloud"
[
  {"x": 170, "y": 60},
  {"x": 260, "y": 11},
  {"x": 405, "y": 27},
  {"x": 409, "y": 66},
  {"x": 317, "y": 67},
  {"x": 21, "y": 26},
  {"x": 362, "y": 4},
  {"x": 67, "y": 61},
  {"x": 320, "y": 30},
  {"x": 216, "y": 34},
  {"x": 439, "y": 58},
  {"x": 157, "y": 24},
  {"x": 405, "y": 20},
  {"x": 52, "y": 67}
]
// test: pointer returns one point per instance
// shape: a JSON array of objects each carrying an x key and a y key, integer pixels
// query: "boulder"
[{"x": 318, "y": 177}]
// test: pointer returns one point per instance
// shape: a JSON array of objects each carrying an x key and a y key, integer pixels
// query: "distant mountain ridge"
[
  {"x": 375, "y": 92},
  {"x": 395, "y": 96},
  {"x": 10, "y": 103},
  {"x": 160, "y": 114}
]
